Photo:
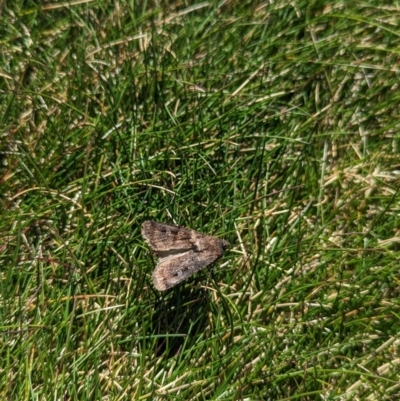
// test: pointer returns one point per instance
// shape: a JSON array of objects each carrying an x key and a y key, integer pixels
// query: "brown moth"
[{"x": 180, "y": 251}]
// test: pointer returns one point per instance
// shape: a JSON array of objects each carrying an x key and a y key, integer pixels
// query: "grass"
[{"x": 274, "y": 126}]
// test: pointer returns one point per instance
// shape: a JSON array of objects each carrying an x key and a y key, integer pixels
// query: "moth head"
[{"x": 224, "y": 244}]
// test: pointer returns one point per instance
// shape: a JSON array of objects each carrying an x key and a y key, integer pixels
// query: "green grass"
[{"x": 274, "y": 126}]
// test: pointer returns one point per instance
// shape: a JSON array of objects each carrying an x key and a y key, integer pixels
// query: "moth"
[{"x": 180, "y": 251}]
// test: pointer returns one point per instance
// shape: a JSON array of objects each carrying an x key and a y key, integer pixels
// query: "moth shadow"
[{"x": 180, "y": 318}]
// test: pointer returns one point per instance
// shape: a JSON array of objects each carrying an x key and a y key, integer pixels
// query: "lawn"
[{"x": 272, "y": 125}]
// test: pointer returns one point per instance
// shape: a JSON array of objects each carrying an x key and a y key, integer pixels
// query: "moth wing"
[
  {"x": 173, "y": 269},
  {"x": 166, "y": 238}
]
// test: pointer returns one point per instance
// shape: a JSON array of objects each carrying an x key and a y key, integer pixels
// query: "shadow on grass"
[{"x": 180, "y": 319}]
